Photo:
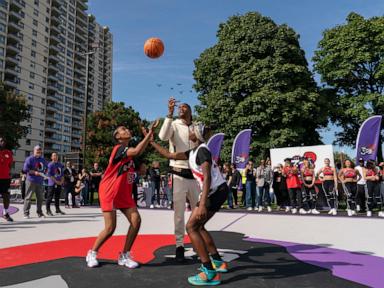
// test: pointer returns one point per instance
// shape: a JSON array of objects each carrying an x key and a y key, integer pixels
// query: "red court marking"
[{"x": 142, "y": 250}]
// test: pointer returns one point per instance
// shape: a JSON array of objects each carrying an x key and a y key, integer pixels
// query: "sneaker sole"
[{"x": 204, "y": 283}]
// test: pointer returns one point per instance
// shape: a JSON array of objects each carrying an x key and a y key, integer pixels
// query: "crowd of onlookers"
[
  {"x": 292, "y": 187},
  {"x": 300, "y": 187}
]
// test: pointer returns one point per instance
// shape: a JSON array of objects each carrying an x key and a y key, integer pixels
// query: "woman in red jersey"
[
  {"x": 328, "y": 177},
  {"x": 349, "y": 176},
  {"x": 115, "y": 192},
  {"x": 372, "y": 176}
]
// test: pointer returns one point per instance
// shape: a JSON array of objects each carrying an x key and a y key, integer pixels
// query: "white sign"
[{"x": 317, "y": 154}]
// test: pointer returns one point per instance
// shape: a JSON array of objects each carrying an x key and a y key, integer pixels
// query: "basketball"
[{"x": 153, "y": 48}]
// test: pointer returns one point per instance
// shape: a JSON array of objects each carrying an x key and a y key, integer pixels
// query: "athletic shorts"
[
  {"x": 217, "y": 199},
  {"x": 122, "y": 200},
  {"x": 4, "y": 185}
]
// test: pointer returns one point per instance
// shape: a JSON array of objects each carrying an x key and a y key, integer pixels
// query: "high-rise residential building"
[{"x": 49, "y": 51}]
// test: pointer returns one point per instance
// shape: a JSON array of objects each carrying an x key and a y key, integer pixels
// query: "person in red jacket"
[
  {"x": 115, "y": 192},
  {"x": 291, "y": 172},
  {"x": 6, "y": 160}
]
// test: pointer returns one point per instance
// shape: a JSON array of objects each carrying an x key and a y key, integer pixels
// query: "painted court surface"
[{"x": 263, "y": 250}]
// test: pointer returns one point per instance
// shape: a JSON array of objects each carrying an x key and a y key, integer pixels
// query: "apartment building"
[{"x": 49, "y": 51}]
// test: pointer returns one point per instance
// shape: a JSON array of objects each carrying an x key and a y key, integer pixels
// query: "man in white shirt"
[{"x": 184, "y": 185}]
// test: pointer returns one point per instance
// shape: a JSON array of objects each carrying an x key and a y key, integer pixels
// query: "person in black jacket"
[
  {"x": 154, "y": 174},
  {"x": 234, "y": 184},
  {"x": 70, "y": 176}
]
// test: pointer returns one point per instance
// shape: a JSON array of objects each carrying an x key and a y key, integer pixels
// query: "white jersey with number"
[{"x": 216, "y": 177}]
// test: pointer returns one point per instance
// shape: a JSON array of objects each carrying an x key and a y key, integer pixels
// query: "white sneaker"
[
  {"x": 151, "y": 206},
  {"x": 334, "y": 213},
  {"x": 302, "y": 211},
  {"x": 91, "y": 259},
  {"x": 287, "y": 209},
  {"x": 256, "y": 209},
  {"x": 349, "y": 212},
  {"x": 260, "y": 209},
  {"x": 330, "y": 211},
  {"x": 294, "y": 211},
  {"x": 27, "y": 217},
  {"x": 126, "y": 260},
  {"x": 381, "y": 214},
  {"x": 314, "y": 211},
  {"x": 354, "y": 213},
  {"x": 249, "y": 208},
  {"x": 269, "y": 208},
  {"x": 369, "y": 213},
  {"x": 358, "y": 208}
]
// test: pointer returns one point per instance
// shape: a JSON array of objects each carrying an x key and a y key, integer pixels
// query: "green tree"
[
  {"x": 13, "y": 111},
  {"x": 350, "y": 60},
  {"x": 256, "y": 76},
  {"x": 100, "y": 127}
]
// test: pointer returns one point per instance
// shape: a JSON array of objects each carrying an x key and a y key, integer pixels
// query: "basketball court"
[{"x": 263, "y": 250}]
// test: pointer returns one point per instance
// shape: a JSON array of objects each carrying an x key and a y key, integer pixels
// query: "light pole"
[{"x": 94, "y": 47}]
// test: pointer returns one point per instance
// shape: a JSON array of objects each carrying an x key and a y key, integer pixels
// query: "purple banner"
[
  {"x": 367, "y": 142},
  {"x": 214, "y": 144},
  {"x": 240, "y": 149}
]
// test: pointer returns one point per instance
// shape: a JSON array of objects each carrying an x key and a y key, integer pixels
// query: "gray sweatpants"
[
  {"x": 182, "y": 189},
  {"x": 31, "y": 187}
]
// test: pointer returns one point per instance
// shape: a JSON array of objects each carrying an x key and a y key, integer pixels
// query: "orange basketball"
[{"x": 153, "y": 48}]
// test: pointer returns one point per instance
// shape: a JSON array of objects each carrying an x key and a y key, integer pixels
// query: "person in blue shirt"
[
  {"x": 55, "y": 182},
  {"x": 35, "y": 167}
]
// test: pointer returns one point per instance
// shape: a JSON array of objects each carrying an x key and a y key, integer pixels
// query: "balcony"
[
  {"x": 55, "y": 10},
  {"x": 83, "y": 4},
  {"x": 53, "y": 50},
  {"x": 55, "y": 29},
  {"x": 52, "y": 87},
  {"x": 17, "y": 5},
  {"x": 12, "y": 71},
  {"x": 54, "y": 39},
  {"x": 53, "y": 68},
  {"x": 14, "y": 27},
  {"x": 79, "y": 80},
  {"x": 13, "y": 49},
  {"x": 15, "y": 16},
  {"x": 54, "y": 58}
]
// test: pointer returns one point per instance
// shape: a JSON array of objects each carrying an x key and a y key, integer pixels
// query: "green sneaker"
[
  {"x": 205, "y": 278},
  {"x": 220, "y": 266}
]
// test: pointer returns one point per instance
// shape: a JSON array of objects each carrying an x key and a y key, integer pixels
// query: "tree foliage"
[
  {"x": 256, "y": 76},
  {"x": 100, "y": 127},
  {"x": 350, "y": 60},
  {"x": 13, "y": 111}
]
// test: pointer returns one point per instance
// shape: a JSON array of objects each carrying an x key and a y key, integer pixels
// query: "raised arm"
[
  {"x": 166, "y": 131},
  {"x": 134, "y": 151},
  {"x": 165, "y": 153}
]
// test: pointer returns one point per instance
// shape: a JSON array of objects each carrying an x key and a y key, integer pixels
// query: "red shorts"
[{"x": 121, "y": 200}]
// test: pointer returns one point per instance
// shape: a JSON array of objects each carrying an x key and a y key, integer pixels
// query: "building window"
[
  {"x": 35, "y": 12},
  {"x": 33, "y": 65},
  {"x": 33, "y": 42},
  {"x": 34, "y": 32},
  {"x": 34, "y": 22},
  {"x": 32, "y": 75},
  {"x": 31, "y": 85},
  {"x": 33, "y": 53},
  {"x": 37, "y": 2}
]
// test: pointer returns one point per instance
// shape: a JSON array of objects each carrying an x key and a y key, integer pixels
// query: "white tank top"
[{"x": 216, "y": 178}]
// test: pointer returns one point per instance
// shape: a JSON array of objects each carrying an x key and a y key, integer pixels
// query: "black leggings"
[
  {"x": 373, "y": 197},
  {"x": 309, "y": 195},
  {"x": 329, "y": 191},
  {"x": 350, "y": 190},
  {"x": 295, "y": 198}
]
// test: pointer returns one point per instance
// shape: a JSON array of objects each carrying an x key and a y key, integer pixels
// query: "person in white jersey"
[
  {"x": 361, "y": 188},
  {"x": 214, "y": 194}
]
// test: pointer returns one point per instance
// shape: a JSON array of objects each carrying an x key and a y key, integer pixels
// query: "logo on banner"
[
  {"x": 367, "y": 150},
  {"x": 241, "y": 158}
]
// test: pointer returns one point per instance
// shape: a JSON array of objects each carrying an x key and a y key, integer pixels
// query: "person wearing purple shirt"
[
  {"x": 35, "y": 167},
  {"x": 55, "y": 182}
]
